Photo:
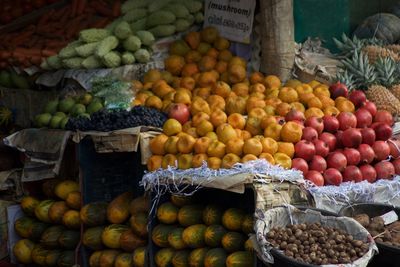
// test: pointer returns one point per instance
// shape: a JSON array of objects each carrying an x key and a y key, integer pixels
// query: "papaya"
[
  {"x": 94, "y": 259},
  {"x": 212, "y": 214},
  {"x": 42, "y": 210},
  {"x": 124, "y": 260},
  {"x": 233, "y": 241},
  {"x": 175, "y": 239},
  {"x": 56, "y": 211},
  {"x": 215, "y": 257},
  {"x": 181, "y": 258},
  {"x": 66, "y": 259},
  {"x": 190, "y": 215},
  {"x": 94, "y": 214},
  {"x": 69, "y": 239},
  {"x": 52, "y": 257},
  {"x": 167, "y": 213},
  {"x": 138, "y": 223},
  {"x": 71, "y": 219},
  {"x": 232, "y": 219},
  {"x": 160, "y": 234},
  {"x": 118, "y": 209},
  {"x": 197, "y": 257},
  {"x": 193, "y": 236},
  {"x": 240, "y": 259},
  {"x": 50, "y": 237},
  {"x": 163, "y": 257},
  {"x": 139, "y": 256},
  {"x": 28, "y": 205},
  {"x": 23, "y": 227},
  {"x": 39, "y": 254},
  {"x": 180, "y": 201},
  {"x": 248, "y": 245},
  {"x": 74, "y": 200},
  {"x": 214, "y": 234},
  {"x": 37, "y": 230},
  {"x": 22, "y": 251},
  {"x": 62, "y": 189},
  {"x": 92, "y": 238},
  {"x": 112, "y": 234},
  {"x": 48, "y": 187},
  {"x": 129, "y": 241},
  {"x": 248, "y": 224},
  {"x": 140, "y": 204},
  {"x": 107, "y": 258}
]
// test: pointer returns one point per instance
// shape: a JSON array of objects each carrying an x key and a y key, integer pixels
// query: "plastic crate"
[{"x": 223, "y": 198}]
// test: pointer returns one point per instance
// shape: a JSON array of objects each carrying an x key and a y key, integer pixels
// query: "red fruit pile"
[{"x": 349, "y": 147}]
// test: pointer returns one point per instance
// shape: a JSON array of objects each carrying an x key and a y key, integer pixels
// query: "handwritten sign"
[{"x": 232, "y": 18}]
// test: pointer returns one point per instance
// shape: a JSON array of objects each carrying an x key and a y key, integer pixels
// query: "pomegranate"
[
  {"x": 396, "y": 165},
  {"x": 368, "y": 173},
  {"x": 358, "y": 98},
  {"x": 305, "y": 150},
  {"x": 321, "y": 148},
  {"x": 333, "y": 177},
  {"x": 371, "y": 107},
  {"x": 351, "y": 138},
  {"x": 394, "y": 145},
  {"x": 337, "y": 160},
  {"x": 300, "y": 164},
  {"x": 383, "y": 131},
  {"x": 315, "y": 177},
  {"x": 368, "y": 136},
  {"x": 364, "y": 118},
  {"x": 329, "y": 139},
  {"x": 316, "y": 123},
  {"x": 309, "y": 134},
  {"x": 367, "y": 154},
  {"x": 352, "y": 173},
  {"x": 352, "y": 155},
  {"x": 331, "y": 124},
  {"x": 381, "y": 150},
  {"x": 179, "y": 112},
  {"x": 339, "y": 139},
  {"x": 317, "y": 163},
  {"x": 295, "y": 115},
  {"x": 338, "y": 89},
  {"x": 384, "y": 170},
  {"x": 347, "y": 120},
  {"x": 383, "y": 116}
]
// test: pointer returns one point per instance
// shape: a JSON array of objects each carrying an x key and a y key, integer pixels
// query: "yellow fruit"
[
  {"x": 298, "y": 106},
  {"x": 286, "y": 148},
  {"x": 237, "y": 121},
  {"x": 314, "y": 103},
  {"x": 288, "y": 95},
  {"x": 252, "y": 146},
  {"x": 170, "y": 145},
  {"x": 157, "y": 144},
  {"x": 313, "y": 112},
  {"x": 229, "y": 160},
  {"x": 154, "y": 162},
  {"x": 322, "y": 90},
  {"x": 185, "y": 161},
  {"x": 216, "y": 149},
  {"x": 345, "y": 106},
  {"x": 172, "y": 127},
  {"x": 272, "y": 81},
  {"x": 204, "y": 127},
  {"x": 331, "y": 111},
  {"x": 269, "y": 145},
  {"x": 303, "y": 89},
  {"x": 248, "y": 157},
  {"x": 291, "y": 132},
  {"x": 293, "y": 83},
  {"x": 235, "y": 146},
  {"x": 169, "y": 160},
  {"x": 154, "y": 102},
  {"x": 314, "y": 83},
  {"x": 283, "y": 160},
  {"x": 273, "y": 131},
  {"x": 214, "y": 163},
  {"x": 268, "y": 157}
]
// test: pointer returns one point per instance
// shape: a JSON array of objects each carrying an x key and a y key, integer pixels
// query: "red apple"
[
  {"x": 383, "y": 116},
  {"x": 381, "y": 150},
  {"x": 352, "y": 155},
  {"x": 364, "y": 118},
  {"x": 383, "y": 131},
  {"x": 333, "y": 177},
  {"x": 338, "y": 89},
  {"x": 352, "y": 173},
  {"x": 371, "y": 107},
  {"x": 331, "y": 124},
  {"x": 179, "y": 112},
  {"x": 337, "y": 160},
  {"x": 351, "y": 138},
  {"x": 316, "y": 123},
  {"x": 315, "y": 177},
  {"x": 367, "y": 153},
  {"x": 329, "y": 139},
  {"x": 368, "y": 136},
  {"x": 394, "y": 145},
  {"x": 339, "y": 139},
  {"x": 358, "y": 98},
  {"x": 384, "y": 170},
  {"x": 321, "y": 148},
  {"x": 317, "y": 163},
  {"x": 300, "y": 164},
  {"x": 396, "y": 165},
  {"x": 295, "y": 115},
  {"x": 305, "y": 150},
  {"x": 347, "y": 120},
  {"x": 368, "y": 173},
  {"x": 309, "y": 134}
]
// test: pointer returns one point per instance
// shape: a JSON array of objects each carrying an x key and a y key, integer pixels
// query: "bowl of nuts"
[
  {"x": 382, "y": 222},
  {"x": 291, "y": 237}
]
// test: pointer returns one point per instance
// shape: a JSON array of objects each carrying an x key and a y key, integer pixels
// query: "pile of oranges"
[{"x": 234, "y": 117}]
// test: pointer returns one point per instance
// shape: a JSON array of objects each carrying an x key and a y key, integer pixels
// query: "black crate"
[
  {"x": 106, "y": 175},
  {"x": 223, "y": 198}
]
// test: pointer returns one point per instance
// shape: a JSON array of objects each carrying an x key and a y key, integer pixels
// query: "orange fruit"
[
  {"x": 216, "y": 149},
  {"x": 202, "y": 144},
  {"x": 257, "y": 113},
  {"x": 256, "y": 77},
  {"x": 342, "y": 106},
  {"x": 199, "y": 105},
  {"x": 283, "y": 160},
  {"x": 286, "y": 148},
  {"x": 237, "y": 73},
  {"x": 182, "y": 97},
  {"x": 313, "y": 112},
  {"x": 267, "y": 120},
  {"x": 237, "y": 121},
  {"x": 331, "y": 111},
  {"x": 241, "y": 89},
  {"x": 157, "y": 144},
  {"x": 185, "y": 144},
  {"x": 225, "y": 132},
  {"x": 288, "y": 95},
  {"x": 185, "y": 161},
  {"x": 221, "y": 43},
  {"x": 169, "y": 160},
  {"x": 174, "y": 64},
  {"x": 235, "y": 146},
  {"x": 314, "y": 103},
  {"x": 172, "y": 127},
  {"x": 207, "y": 63},
  {"x": 214, "y": 163},
  {"x": 193, "y": 39},
  {"x": 283, "y": 108},
  {"x": 154, "y": 102},
  {"x": 199, "y": 117},
  {"x": 291, "y": 132},
  {"x": 154, "y": 162},
  {"x": 257, "y": 87},
  {"x": 189, "y": 70},
  {"x": 216, "y": 102},
  {"x": 253, "y": 126},
  {"x": 272, "y": 81},
  {"x": 252, "y": 146},
  {"x": 225, "y": 55},
  {"x": 218, "y": 117},
  {"x": 298, "y": 106},
  {"x": 229, "y": 160},
  {"x": 151, "y": 76},
  {"x": 170, "y": 145},
  {"x": 248, "y": 157},
  {"x": 204, "y": 127},
  {"x": 198, "y": 159},
  {"x": 273, "y": 131},
  {"x": 268, "y": 157},
  {"x": 222, "y": 89},
  {"x": 269, "y": 145}
]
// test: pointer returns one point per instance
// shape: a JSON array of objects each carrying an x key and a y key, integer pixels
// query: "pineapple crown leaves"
[
  {"x": 348, "y": 46},
  {"x": 387, "y": 71},
  {"x": 346, "y": 78}
]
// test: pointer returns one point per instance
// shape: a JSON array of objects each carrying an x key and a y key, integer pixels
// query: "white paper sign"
[
  {"x": 390, "y": 217},
  {"x": 232, "y": 18}
]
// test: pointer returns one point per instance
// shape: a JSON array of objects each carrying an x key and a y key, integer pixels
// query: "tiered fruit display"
[
  {"x": 56, "y": 113},
  {"x": 116, "y": 233},
  {"x": 190, "y": 234},
  {"x": 50, "y": 228},
  {"x": 349, "y": 147}
]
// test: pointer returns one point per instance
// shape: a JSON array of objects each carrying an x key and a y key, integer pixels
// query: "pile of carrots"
[{"x": 53, "y": 31}]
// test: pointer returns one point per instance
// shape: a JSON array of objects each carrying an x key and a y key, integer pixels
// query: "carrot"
[
  {"x": 48, "y": 53},
  {"x": 44, "y": 19},
  {"x": 81, "y": 7},
  {"x": 74, "y": 7},
  {"x": 27, "y": 52},
  {"x": 101, "y": 23},
  {"x": 36, "y": 60},
  {"x": 73, "y": 26},
  {"x": 5, "y": 54},
  {"x": 116, "y": 11}
]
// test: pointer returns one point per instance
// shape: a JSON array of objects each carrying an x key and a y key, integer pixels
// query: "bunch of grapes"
[{"x": 110, "y": 120}]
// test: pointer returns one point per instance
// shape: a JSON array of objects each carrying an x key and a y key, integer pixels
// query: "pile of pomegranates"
[{"x": 349, "y": 147}]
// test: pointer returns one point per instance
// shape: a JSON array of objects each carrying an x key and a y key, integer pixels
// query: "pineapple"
[
  {"x": 394, "y": 47},
  {"x": 363, "y": 74},
  {"x": 383, "y": 99},
  {"x": 348, "y": 46},
  {"x": 375, "y": 52},
  {"x": 387, "y": 71}
]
